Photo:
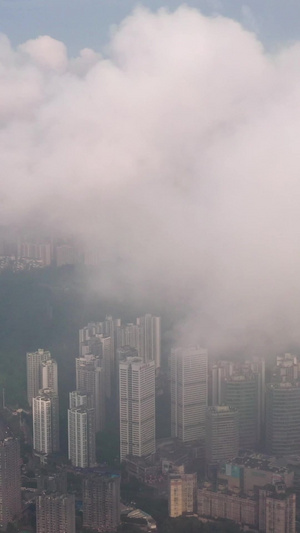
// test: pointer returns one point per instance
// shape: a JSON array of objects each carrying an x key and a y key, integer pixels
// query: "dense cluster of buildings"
[{"x": 234, "y": 446}]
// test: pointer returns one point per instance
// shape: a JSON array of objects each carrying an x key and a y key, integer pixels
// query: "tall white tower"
[
  {"x": 46, "y": 422},
  {"x": 188, "y": 393},
  {"x": 81, "y": 431},
  {"x": 137, "y": 407},
  {"x": 34, "y": 362}
]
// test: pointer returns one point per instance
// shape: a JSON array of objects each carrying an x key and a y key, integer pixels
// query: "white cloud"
[{"x": 177, "y": 153}]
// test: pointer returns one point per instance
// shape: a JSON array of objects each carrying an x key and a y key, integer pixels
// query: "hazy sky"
[
  {"x": 176, "y": 153},
  {"x": 87, "y": 23}
]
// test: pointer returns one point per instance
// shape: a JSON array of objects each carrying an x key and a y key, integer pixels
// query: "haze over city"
[
  {"x": 175, "y": 148},
  {"x": 150, "y": 203}
]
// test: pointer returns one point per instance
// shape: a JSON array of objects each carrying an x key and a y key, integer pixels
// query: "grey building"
[
  {"x": 82, "y": 436},
  {"x": 34, "y": 362},
  {"x": 10, "y": 481},
  {"x": 222, "y": 433},
  {"x": 90, "y": 379},
  {"x": 101, "y": 502},
  {"x": 242, "y": 393},
  {"x": 188, "y": 392},
  {"x": 137, "y": 407},
  {"x": 283, "y": 419},
  {"x": 55, "y": 513}
]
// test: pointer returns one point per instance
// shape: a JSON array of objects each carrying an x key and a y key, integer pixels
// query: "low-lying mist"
[{"x": 176, "y": 155}]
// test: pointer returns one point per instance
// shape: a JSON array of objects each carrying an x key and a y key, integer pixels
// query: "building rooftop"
[{"x": 260, "y": 462}]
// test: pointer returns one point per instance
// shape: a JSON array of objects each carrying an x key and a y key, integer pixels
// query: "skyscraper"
[
  {"x": 46, "y": 422},
  {"x": 252, "y": 368},
  {"x": 137, "y": 407},
  {"x": 98, "y": 338},
  {"x": 101, "y": 502},
  {"x": 90, "y": 378},
  {"x": 81, "y": 432},
  {"x": 34, "y": 362},
  {"x": 222, "y": 433},
  {"x": 188, "y": 393},
  {"x": 49, "y": 375},
  {"x": 144, "y": 336},
  {"x": 10, "y": 481},
  {"x": 151, "y": 338},
  {"x": 242, "y": 393},
  {"x": 79, "y": 399},
  {"x": 283, "y": 419},
  {"x": 55, "y": 513}
]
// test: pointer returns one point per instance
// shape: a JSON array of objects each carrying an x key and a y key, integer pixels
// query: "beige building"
[
  {"x": 182, "y": 494},
  {"x": 271, "y": 510},
  {"x": 227, "y": 505}
]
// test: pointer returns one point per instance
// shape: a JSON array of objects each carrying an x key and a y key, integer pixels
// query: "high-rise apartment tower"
[
  {"x": 137, "y": 407},
  {"x": 188, "y": 393},
  {"x": 55, "y": 513},
  {"x": 81, "y": 432},
  {"x": 34, "y": 362},
  {"x": 46, "y": 422}
]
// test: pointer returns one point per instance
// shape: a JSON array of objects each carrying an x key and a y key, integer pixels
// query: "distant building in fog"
[
  {"x": 81, "y": 432},
  {"x": 137, "y": 407},
  {"x": 272, "y": 509},
  {"x": 46, "y": 422},
  {"x": 283, "y": 419},
  {"x": 144, "y": 336},
  {"x": 49, "y": 378},
  {"x": 242, "y": 393},
  {"x": 39, "y": 251},
  {"x": 34, "y": 362},
  {"x": 188, "y": 393},
  {"x": 101, "y": 502},
  {"x": 277, "y": 509},
  {"x": 90, "y": 379},
  {"x": 10, "y": 481},
  {"x": 252, "y": 368},
  {"x": 287, "y": 369},
  {"x": 222, "y": 433},
  {"x": 65, "y": 255},
  {"x": 55, "y": 513}
]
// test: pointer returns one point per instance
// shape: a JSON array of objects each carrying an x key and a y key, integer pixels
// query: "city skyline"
[{"x": 149, "y": 259}]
